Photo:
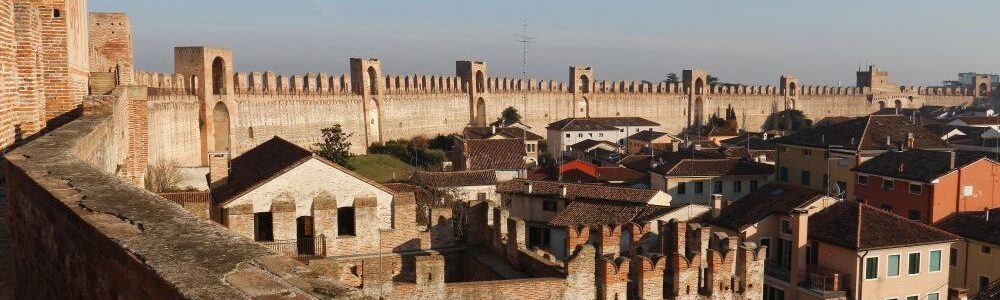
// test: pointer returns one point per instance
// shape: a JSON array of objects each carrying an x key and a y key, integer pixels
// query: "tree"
[
  {"x": 715, "y": 121},
  {"x": 509, "y": 116},
  {"x": 712, "y": 80},
  {"x": 162, "y": 177},
  {"x": 788, "y": 120},
  {"x": 335, "y": 146},
  {"x": 672, "y": 78}
]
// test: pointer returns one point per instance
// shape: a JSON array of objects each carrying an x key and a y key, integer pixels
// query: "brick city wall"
[
  {"x": 78, "y": 232},
  {"x": 111, "y": 45}
]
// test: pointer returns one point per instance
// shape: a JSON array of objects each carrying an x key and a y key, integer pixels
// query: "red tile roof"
[
  {"x": 596, "y": 212},
  {"x": 867, "y": 133},
  {"x": 974, "y": 225},
  {"x": 859, "y": 226},
  {"x": 980, "y": 120},
  {"x": 770, "y": 199},
  {"x": 485, "y": 132},
  {"x": 455, "y": 179},
  {"x": 574, "y": 191},
  {"x": 504, "y": 154},
  {"x": 595, "y": 124},
  {"x": 188, "y": 197}
]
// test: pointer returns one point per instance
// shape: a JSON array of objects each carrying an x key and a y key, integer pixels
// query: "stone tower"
[
  {"x": 366, "y": 81},
  {"x": 474, "y": 75},
  {"x": 696, "y": 88},
  {"x": 211, "y": 73},
  {"x": 581, "y": 80}
]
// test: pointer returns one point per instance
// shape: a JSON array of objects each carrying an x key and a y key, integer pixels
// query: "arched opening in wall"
[
  {"x": 372, "y": 81},
  {"x": 480, "y": 82},
  {"x": 218, "y": 76},
  {"x": 698, "y": 86},
  {"x": 373, "y": 121},
  {"x": 881, "y": 105},
  {"x": 792, "y": 87},
  {"x": 220, "y": 122},
  {"x": 791, "y": 104},
  {"x": 898, "y": 104},
  {"x": 698, "y": 105},
  {"x": 584, "y": 84},
  {"x": 481, "y": 111},
  {"x": 304, "y": 235},
  {"x": 983, "y": 88},
  {"x": 194, "y": 85}
]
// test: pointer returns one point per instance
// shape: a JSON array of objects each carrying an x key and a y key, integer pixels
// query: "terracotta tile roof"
[
  {"x": 495, "y": 154},
  {"x": 259, "y": 164},
  {"x": 455, "y": 179},
  {"x": 485, "y": 132},
  {"x": 650, "y": 135},
  {"x": 867, "y": 133},
  {"x": 586, "y": 145},
  {"x": 917, "y": 164},
  {"x": 974, "y": 225},
  {"x": 187, "y": 197},
  {"x": 859, "y": 226},
  {"x": 688, "y": 162},
  {"x": 609, "y": 174},
  {"x": 722, "y": 131},
  {"x": 596, "y": 212},
  {"x": 770, "y": 199},
  {"x": 980, "y": 120},
  {"x": 592, "y": 124},
  {"x": 574, "y": 191}
]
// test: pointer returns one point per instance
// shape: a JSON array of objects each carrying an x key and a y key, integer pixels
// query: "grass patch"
[{"x": 381, "y": 167}]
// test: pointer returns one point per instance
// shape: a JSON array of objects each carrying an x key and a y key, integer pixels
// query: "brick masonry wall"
[
  {"x": 8, "y": 88},
  {"x": 111, "y": 45}
]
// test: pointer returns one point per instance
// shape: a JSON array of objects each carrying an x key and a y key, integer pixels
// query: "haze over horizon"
[{"x": 919, "y": 42}]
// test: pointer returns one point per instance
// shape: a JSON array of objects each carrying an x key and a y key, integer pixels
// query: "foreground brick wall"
[{"x": 79, "y": 233}]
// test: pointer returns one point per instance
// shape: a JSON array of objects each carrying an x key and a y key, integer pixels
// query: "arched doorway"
[
  {"x": 983, "y": 89},
  {"x": 218, "y": 76},
  {"x": 584, "y": 84},
  {"x": 305, "y": 236},
  {"x": 697, "y": 111},
  {"x": 881, "y": 105},
  {"x": 480, "y": 82},
  {"x": 220, "y": 124},
  {"x": 372, "y": 81},
  {"x": 373, "y": 121},
  {"x": 898, "y": 104},
  {"x": 481, "y": 111},
  {"x": 791, "y": 89},
  {"x": 698, "y": 86}
]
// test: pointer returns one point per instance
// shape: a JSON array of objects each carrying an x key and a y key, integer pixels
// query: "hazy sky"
[{"x": 821, "y": 42}]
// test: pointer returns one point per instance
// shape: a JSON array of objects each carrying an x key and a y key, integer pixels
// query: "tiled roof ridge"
[{"x": 857, "y": 146}]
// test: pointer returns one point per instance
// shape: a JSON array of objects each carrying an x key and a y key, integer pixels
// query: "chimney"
[
  {"x": 716, "y": 205},
  {"x": 901, "y": 168},
  {"x": 697, "y": 146},
  {"x": 951, "y": 163},
  {"x": 888, "y": 142},
  {"x": 562, "y": 191},
  {"x": 493, "y": 129},
  {"x": 909, "y": 140},
  {"x": 218, "y": 167},
  {"x": 675, "y": 146},
  {"x": 529, "y": 188},
  {"x": 800, "y": 227}
]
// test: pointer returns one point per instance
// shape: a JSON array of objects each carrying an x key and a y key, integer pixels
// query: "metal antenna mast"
[{"x": 524, "y": 39}]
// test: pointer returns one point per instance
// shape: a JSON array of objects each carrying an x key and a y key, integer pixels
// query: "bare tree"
[{"x": 163, "y": 176}]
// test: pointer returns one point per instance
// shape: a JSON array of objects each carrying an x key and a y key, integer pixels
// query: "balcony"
[
  {"x": 777, "y": 271},
  {"x": 299, "y": 248},
  {"x": 826, "y": 283}
]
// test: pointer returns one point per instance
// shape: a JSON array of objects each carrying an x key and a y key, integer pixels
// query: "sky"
[{"x": 752, "y": 42}]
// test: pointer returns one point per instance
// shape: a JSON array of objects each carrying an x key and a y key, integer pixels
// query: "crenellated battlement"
[
  {"x": 424, "y": 84},
  {"x": 167, "y": 84}
]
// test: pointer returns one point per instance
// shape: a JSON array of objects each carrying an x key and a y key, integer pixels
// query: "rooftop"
[
  {"x": 867, "y": 133},
  {"x": 495, "y": 154},
  {"x": 592, "y": 124},
  {"x": 455, "y": 179},
  {"x": 770, "y": 199},
  {"x": 574, "y": 191},
  {"x": 974, "y": 225},
  {"x": 917, "y": 164},
  {"x": 859, "y": 226},
  {"x": 485, "y": 132},
  {"x": 650, "y": 135},
  {"x": 597, "y": 212}
]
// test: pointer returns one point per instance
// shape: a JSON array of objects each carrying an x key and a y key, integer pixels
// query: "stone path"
[{"x": 6, "y": 268}]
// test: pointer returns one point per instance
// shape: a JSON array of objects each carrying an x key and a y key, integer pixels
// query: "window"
[
  {"x": 784, "y": 253},
  {"x": 986, "y": 250},
  {"x": 590, "y": 134},
  {"x": 773, "y": 293},
  {"x": 913, "y": 265},
  {"x": 913, "y": 215},
  {"x": 549, "y": 205},
  {"x": 579, "y": 135},
  {"x": 600, "y": 134},
  {"x": 934, "y": 261},
  {"x": 862, "y": 179},
  {"x": 56, "y": 13},
  {"x": 753, "y": 185},
  {"x": 539, "y": 237},
  {"x": 567, "y": 135},
  {"x": 983, "y": 282},
  {"x": 967, "y": 191},
  {"x": 621, "y": 130},
  {"x": 953, "y": 257},
  {"x": 807, "y": 152},
  {"x": 887, "y": 207},
  {"x": 345, "y": 221},
  {"x": 263, "y": 227},
  {"x": 916, "y": 189},
  {"x": 805, "y": 178},
  {"x": 933, "y": 296},
  {"x": 783, "y": 174},
  {"x": 912, "y": 298},
  {"x": 699, "y": 187},
  {"x": 887, "y": 184},
  {"x": 871, "y": 268},
  {"x": 681, "y": 188},
  {"x": 812, "y": 254},
  {"x": 717, "y": 187},
  {"x": 892, "y": 267},
  {"x": 786, "y": 226},
  {"x": 765, "y": 242},
  {"x": 737, "y": 186}
]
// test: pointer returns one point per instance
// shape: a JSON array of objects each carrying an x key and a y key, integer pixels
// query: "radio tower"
[{"x": 524, "y": 39}]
